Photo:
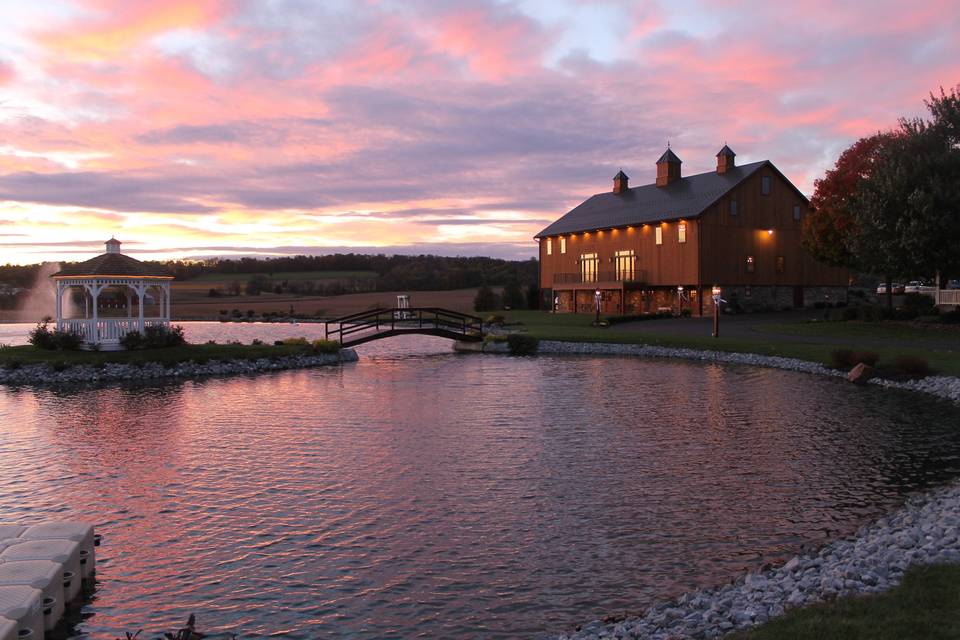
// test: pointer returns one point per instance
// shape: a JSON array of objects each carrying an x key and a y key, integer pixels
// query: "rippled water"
[{"x": 437, "y": 495}]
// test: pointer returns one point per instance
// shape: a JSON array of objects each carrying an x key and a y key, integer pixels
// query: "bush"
[
  {"x": 13, "y": 365},
  {"x": 326, "y": 346},
  {"x": 522, "y": 344},
  {"x": 950, "y": 317},
  {"x": 912, "y": 366},
  {"x": 64, "y": 340},
  {"x": 256, "y": 342},
  {"x": 154, "y": 337},
  {"x": 850, "y": 313},
  {"x": 846, "y": 358},
  {"x": 297, "y": 342},
  {"x": 685, "y": 313},
  {"x": 494, "y": 319}
]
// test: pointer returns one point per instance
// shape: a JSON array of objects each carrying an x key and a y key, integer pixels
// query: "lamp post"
[
  {"x": 716, "y": 311},
  {"x": 680, "y": 300},
  {"x": 596, "y": 298}
]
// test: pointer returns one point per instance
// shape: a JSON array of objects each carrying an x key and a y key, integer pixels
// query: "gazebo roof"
[{"x": 113, "y": 263}]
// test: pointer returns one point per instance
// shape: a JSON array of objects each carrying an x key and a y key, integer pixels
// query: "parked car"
[
  {"x": 914, "y": 286},
  {"x": 953, "y": 284},
  {"x": 897, "y": 288}
]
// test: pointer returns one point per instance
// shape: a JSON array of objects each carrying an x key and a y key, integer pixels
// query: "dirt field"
[{"x": 191, "y": 307}]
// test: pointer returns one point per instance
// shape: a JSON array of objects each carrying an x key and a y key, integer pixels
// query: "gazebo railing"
[{"x": 109, "y": 329}]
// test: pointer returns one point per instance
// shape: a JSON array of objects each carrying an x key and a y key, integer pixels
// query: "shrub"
[
  {"x": 522, "y": 344},
  {"x": 13, "y": 365},
  {"x": 950, "y": 317},
  {"x": 494, "y": 319},
  {"x": 325, "y": 346},
  {"x": 41, "y": 337},
  {"x": 846, "y": 358},
  {"x": 685, "y": 313},
  {"x": 278, "y": 343},
  {"x": 60, "y": 365},
  {"x": 912, "y": 366},
  {"x": 299, "y": 342},
  {"x": 922, "y": 303},
  {"x": 256, "y": 342},
  {"x": 850, "y": 313},
  {"x": 133, "y": 340},
  {"x": 66, "y": 340}
]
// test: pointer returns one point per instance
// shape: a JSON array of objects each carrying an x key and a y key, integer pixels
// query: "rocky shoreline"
[
  {"x": 45, "y": 374},
  {"x": 923, "y": 531}
]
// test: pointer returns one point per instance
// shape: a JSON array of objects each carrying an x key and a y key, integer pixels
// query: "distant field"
[
  {"x": 285, "y": 275},
  {"x": 187, "y": 307}
]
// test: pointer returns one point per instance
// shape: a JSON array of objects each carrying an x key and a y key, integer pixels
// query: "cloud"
[{"x": 295, "y": 123}]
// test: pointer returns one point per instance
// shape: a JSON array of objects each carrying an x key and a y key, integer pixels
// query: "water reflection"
[{"x": 454, "y": 496}]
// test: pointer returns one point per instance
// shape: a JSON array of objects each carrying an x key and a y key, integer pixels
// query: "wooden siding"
[
  {"x": 728, "y": 239},
  {"x": 669, "y": 264}
]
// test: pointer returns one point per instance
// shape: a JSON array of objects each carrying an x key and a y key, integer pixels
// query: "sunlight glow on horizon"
[{"x": 206, "y": 127}]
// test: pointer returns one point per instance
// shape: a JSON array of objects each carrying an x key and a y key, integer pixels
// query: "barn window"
[
  {"x": 626, "y": 264},
  {"x": 549, "y": 246},
  {"x": 750, "y": 264},
  {"x": 682, "y": 232},
  {"x": 733, "y": 207},
  {"x": 659, "y": 235},
  {"x": 781, "y": 264},
  {"x": 796, "y": 212},
  {"x": 588, "y": 267},
  {"x": 563, "y": 245},
  {"x": 765, "y": 185}
]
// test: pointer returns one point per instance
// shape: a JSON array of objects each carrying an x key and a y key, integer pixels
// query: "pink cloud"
[{"x": 6, "y": 73}]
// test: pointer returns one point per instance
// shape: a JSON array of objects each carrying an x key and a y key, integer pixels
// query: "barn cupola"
[
  {"x": 668, "y": 168},
  {"x": 113, "y": 245},
  {"x": 725, "y": 159},
  {"x": 621, "y": 182}
]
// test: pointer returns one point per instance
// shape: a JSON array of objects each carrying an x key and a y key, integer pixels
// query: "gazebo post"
[
  {"x": 59, "y": 305},
  {"x": 95, "y": 333},
  {"x": 141, "y": 292}
]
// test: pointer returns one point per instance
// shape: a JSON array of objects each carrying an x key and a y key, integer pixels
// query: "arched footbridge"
[{"x": 375, "y": 324}]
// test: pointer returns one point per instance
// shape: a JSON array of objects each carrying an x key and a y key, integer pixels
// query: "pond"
[{"x": 420, "y": 493}]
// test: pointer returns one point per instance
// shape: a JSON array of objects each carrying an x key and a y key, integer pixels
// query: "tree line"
[{"x": 891, "y": 204}]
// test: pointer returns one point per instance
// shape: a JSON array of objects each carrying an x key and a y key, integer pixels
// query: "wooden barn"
[{"x": 663, "y": 246}]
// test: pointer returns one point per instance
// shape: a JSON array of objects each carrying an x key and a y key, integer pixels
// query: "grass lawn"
[
  {"x": 28, "y": 354},
  {"x": 287, "y": 275},
  {"x": 926, "y": 606},
  {"x": 940, "y": 349}
]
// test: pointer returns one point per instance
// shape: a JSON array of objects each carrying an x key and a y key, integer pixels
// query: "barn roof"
[
  {"x": 112, "y": 264},
  {"x": 686, "y": 198}
]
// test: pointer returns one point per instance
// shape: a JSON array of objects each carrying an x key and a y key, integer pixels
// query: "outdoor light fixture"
[
  {"x": 769, "y": 232},
  {"x": 716, "y": 310},
  {"x": 596, "y": 296}
]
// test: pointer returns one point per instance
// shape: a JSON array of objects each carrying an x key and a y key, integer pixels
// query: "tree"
[
  {"x": 533, "y": 297},
  {"x": 909, "y": 209},
  {"x": 512, "y": 296},
  {"x": 832, "y": 222},
  {"x": 486, "y": 299}
]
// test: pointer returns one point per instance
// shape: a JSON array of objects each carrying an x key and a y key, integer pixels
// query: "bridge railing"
[{"x": 366, "y": 325}]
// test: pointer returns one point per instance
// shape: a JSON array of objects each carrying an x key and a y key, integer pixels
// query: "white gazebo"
[{"x": 115, "y": 293}]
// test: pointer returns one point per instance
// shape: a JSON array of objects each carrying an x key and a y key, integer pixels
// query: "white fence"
[
  {"x": 108, "y": 329},
  {"x": 948, "y": 297}
]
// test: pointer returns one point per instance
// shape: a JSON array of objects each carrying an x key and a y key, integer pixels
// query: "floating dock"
[{"x": 42, "y": 569}]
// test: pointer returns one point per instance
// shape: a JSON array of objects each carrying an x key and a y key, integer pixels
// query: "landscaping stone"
[
  {"x": 44, "y": 374},
  {"x": 861, "y": 374}
]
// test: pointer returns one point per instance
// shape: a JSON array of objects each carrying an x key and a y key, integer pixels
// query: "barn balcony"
[{"x": 601, "y": 279}]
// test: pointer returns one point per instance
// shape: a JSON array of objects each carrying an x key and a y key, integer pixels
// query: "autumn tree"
[{"x": 832, "y": 222}]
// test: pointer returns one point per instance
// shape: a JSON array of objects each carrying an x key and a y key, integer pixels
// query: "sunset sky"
[{"x": 206, "y": 127}]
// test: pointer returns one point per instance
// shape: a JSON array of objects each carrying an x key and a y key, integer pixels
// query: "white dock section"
[{"x": 42, "y": 567}]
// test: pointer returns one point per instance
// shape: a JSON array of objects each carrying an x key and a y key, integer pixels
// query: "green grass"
[
  {"x": 289, "y": 275},
  {"x": 939, "y": 334},
  {"x": 940, "y": 353},
  {"x": 925, "y": 606},
  {"x": 29, "y": 354}
]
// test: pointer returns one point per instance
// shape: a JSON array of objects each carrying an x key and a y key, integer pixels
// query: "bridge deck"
[{"x": 376, "y": 324}]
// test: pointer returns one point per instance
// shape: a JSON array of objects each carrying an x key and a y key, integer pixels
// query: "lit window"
[
  {"x": 626, "y": 263},
  {"x": 765, "y": 185},
  {"x": 796, "y": 212},
  {"x": 781, "y": 264},
  {"x": 750, "y": 264},
  {"x": 588, "y": 267},
  {"x": 659, "y": 235},
  {"x": 733, "y": 207},
  {"x": 563, "y": 245},
  {"x": 681, "y": 232},
  {"x": 549, "y": 246}
]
